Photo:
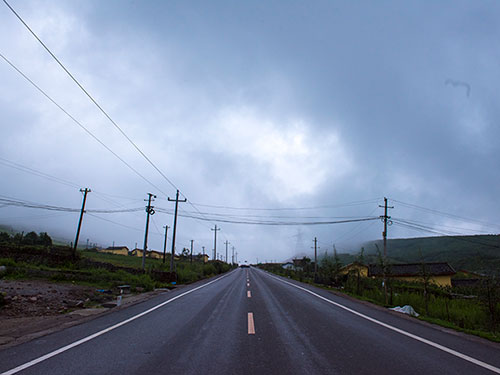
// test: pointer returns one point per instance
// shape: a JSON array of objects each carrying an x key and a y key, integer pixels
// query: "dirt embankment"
[{"x": 34, "y": 308}]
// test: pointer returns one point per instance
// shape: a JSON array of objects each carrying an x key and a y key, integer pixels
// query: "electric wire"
[
  {"x": 78, "y": 122},
  {"x": 91, "y": 97},
  {"x": 453, "y": 216}
]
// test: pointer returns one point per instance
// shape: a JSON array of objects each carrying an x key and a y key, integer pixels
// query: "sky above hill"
[{"x": 280, "y": 111}]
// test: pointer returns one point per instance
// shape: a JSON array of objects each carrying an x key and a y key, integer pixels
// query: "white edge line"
[
  {"x": 97, "y": 334},
  {"x": 408, "y": 334}
]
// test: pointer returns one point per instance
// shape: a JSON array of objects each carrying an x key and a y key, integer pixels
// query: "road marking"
[
  {"x": 97, "y": 334},
  {"x": 408, "y": 334},
  {"x": 249, "y": 294},
  {"x": 251, "y": 327},
  {"x": 248, "y": 284}
]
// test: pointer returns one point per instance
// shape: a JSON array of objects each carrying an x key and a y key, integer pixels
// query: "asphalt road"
[{"x": 251, "y": 322}]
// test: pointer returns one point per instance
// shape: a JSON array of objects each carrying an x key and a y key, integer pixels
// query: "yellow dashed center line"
[{"x": 251, "y": 327}]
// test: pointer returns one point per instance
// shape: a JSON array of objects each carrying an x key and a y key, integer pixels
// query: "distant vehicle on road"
[{"x": 245, "y": 265}]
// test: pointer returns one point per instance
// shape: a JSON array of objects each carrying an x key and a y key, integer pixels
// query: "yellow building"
[
  {"x": 438, "y": 273},
  {"x": 150, "y": 254},
  {"x": 136, "y": 252},
  {"x": 154, "y": 254},
  {"x": 355, "y": 268},
  {"x": 118, "y": 250}
]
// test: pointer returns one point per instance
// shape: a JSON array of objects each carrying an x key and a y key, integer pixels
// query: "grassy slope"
[{"x": 473, "y": 253}]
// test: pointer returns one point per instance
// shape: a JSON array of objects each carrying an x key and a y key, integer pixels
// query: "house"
[
  {"x": 354, "y": 268},
  {"x": 118, "y": 250},
  {"x": 149, "y": 253},
  {"x": 202, "y": 257},
  {"x": 288, "y": 266},
  {"x": 300, "y": 263},
  {"x": 154, "y": 254},
  {"x": 439, "y": 273}
]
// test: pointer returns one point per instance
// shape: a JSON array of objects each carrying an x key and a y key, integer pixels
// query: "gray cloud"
[{"x": 256, "y": 105}]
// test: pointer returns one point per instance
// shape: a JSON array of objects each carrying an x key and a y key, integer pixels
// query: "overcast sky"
[{"x": 278, "y": 104}]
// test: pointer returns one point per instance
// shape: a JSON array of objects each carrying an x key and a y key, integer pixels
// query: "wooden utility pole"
[
  {"x": 386, "y": 221},
  {"x": 315, "y": 256},
  {"x": 232, "y": 258},
  {"x": 192, "y": 251},
  {"x": 172, "y": 254},
  {"x": 84, "y": 191},
  {"x": 165, "y": 243},
  {"x": 149, "y": 211},
  {"x": 227, "y": 243},
  {"x": 215, "y": 241},
  {"x": 203, "y": 247}
]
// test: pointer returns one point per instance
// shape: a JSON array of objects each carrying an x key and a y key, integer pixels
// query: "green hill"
[{"x": 479, "y": 253}]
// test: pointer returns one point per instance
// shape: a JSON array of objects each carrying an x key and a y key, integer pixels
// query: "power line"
[
  {"x": 78, "y": 123},
  {"x": 27, "y": 204},
  {"x": 276, "y": 223},
  {"x": 422, "y": 228},
  {"x": 35, "y": 172},
  {"x": 91, "y": 98},
  {"x": 414, "y": 206},
  {"x": 349, "y": 204}
]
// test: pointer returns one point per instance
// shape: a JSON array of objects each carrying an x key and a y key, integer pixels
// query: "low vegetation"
[{"x": 32, "y": 256}]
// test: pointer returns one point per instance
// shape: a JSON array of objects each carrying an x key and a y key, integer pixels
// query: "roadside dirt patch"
[
  {"x": 35, "y": 308},
  {"x": 41, "y": 298}
]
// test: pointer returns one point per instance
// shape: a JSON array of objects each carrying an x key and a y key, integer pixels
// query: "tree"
[
  {"x": 44, "y": 239},
  {"x": 4, "y": 237},
  {"x": 361, "y": 256},
  {"x": 30, "y": 238}
]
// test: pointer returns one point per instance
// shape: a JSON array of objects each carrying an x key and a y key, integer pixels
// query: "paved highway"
[{"x": 251, "y": 322}]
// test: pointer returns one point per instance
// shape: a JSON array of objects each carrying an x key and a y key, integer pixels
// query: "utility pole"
[
  {"x": 227, "y": 243},
  {"x": 215, "y": 240},
  {"x": 203, "y": 247},
  {"x": 236, "y": 257},
  {"x": 192, "y": 251},
  {"x": 315, "y": 256},
  {"x": 84, "y": 191},
  {"x": 386, "y": 221},
  {"x": 172, "y": 254},
  {"x": 165, "y": 243},
  {"x": 232, "y": 258},
  {"x": 149, "y": 211}
]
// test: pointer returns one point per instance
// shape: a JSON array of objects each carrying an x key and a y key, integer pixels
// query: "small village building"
[
  {"x": 438, "y": 273},
  {"x": 149, "y": 254},
  {"x": 118, "y": 250},
  {"x": 203, "y": 257},
  {"x": 288, "y": 266},
  {"x": 355, "y": 268},
  {"x": 300, "y": 263}
]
